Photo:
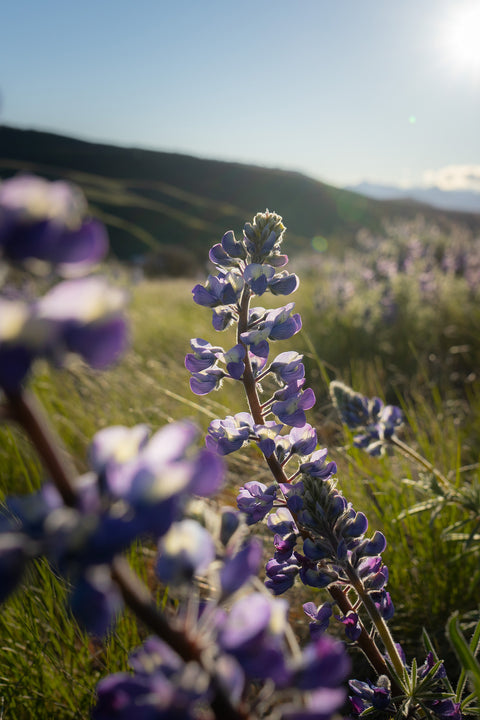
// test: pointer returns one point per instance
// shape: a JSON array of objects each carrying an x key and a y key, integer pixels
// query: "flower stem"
[
  {"x": 365, "y": 641},
  {"x": 26, "y": 411}
]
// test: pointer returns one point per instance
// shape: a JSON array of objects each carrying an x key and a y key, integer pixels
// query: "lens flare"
[{"x": 460, "y": 38}]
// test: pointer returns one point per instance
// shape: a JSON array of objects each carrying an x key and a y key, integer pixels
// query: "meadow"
[{"x": 398, "y": 318}]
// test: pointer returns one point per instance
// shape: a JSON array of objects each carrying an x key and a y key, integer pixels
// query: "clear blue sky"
[{"x": 342, "y": 90}]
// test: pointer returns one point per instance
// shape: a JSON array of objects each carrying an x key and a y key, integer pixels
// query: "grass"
[{"x": 50, "y": 668}]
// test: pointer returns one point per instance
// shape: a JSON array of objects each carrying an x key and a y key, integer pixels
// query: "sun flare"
[{"x": 461, "y": 38}]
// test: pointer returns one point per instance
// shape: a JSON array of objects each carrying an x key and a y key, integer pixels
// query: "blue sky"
[{"x": 341, "y": 90}]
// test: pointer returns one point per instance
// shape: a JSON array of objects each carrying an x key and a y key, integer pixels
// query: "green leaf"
[{"x": 464, "y": 652}]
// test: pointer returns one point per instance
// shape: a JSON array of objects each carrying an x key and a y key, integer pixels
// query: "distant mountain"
[
  {"x": 154, "y": 201},
  {"x": 457, "y": 200}
]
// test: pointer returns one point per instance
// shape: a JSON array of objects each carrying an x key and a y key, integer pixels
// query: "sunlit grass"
[{"x": 49, "y": 667}]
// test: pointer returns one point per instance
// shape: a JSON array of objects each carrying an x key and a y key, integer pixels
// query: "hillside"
[{"x": 151, "y": 200}]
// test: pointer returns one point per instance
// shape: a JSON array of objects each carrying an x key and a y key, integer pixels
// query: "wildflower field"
[{"x": 382, "y": 442}]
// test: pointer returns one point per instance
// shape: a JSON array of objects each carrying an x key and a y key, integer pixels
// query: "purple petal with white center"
[
  {"x": 222, "y": 318},
  {"x": 202, "y": 296},
  {"x": 283, "y": 284},
  {"x": 218, "y": 256},
  {"x": 206, "y": 381},
  {"x": 278, "y": 260},
  {"x": 185, "y": 551},
  {"x": 286, "y": 329},
  {"x": 231, "y": 246},
  {"x": 303, "y": 440},
  {"x": 116, "y": 444}
]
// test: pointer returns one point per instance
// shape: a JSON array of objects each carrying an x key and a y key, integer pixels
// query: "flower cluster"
[
  {"x": 137, "y": 487},
  {"x": 317, "y": 534},
  {"x": 44, "y": 227},
  {"x": 249, "y": 643},
  {"x": 375, "y": 422},
  {"x": 249, "y": 267},
  {"x": 227, "y": 649}
]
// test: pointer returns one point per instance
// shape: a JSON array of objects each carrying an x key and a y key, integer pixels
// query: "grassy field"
[{"x": 424, "y": 358}]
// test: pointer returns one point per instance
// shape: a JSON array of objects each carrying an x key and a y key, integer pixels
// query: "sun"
[{"x": 461, "y": 38}]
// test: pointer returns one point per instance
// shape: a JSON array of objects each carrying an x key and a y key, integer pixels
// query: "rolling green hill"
[{"x": 155, "y": 200}]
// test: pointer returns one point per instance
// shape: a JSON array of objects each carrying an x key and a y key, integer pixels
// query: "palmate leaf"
[
  {"x": 420, "y": 507},
  {"x": 466, "y": 654}
]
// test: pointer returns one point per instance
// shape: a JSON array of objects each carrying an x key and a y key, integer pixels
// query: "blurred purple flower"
[
  {"x": 256, "y": 500},
  {"x": 46, "y": 221}
]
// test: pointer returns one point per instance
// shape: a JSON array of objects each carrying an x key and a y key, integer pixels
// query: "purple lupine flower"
[
  {"x": 95, "y": 600},
  {"x": 46, "y": 221},
  {"x": 281, "y": 574},
  {"x": 258, "y": 276},
  {"x": 238, "y": 568},
  {"x": 352, "y": 406},
  {"x": 253, "y": 633},
  {"x": 375, "y": 546},
  {"x": 82, "y": 316},
  {"x": 283, "y": 324},
  {"x": 229, "y": 252},
  {"x": 277, "y": 324},
  {"x": 291, "y": 403},
  {"x": 222, "y": 318},
  {"x": 323, "y": 663},
  {"x": 287, "y": 367},
  {"x": 89, "y": 315},
  {"x": 161, "y": 688},
  {"x": 283, "y": 284},
  {"x": 353, "y": 629},
  {"x": 202, "y": 383},
  {"x": 204, "y": 355},
  {"x": 222, "y": 289},
  {"x": 446, "y": 709},
  {"x": 284, "y": 545},
  {"x": 23, "y": 337},
  {"x": 320, "y": 618},
  {"x": 185, "y": 551},
  {"x": 303, "y": 440},
  {"x": 226, "y": 436},
  {"x": 376, "y": 696},
  {"x": 116, "y": 444},
  {"x": 428, "y": 665},
  {"x": 230, "y": 522},
  {"x": 233, "y": 247},
  {"x": 234, "y": 361},
  {"x": 256, "y": 500},
  {"x": 266, "y": 436},
  {"x": 376, "y": 422},
  {"x": 293, "y": 493},
  {"x": 383, "y": 603},
  {"x": 317, "y": 467}
]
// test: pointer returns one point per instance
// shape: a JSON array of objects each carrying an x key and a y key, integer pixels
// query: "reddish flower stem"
[
  {"x": 365, "y": 641},
  {"x": 23, "y": 408}
]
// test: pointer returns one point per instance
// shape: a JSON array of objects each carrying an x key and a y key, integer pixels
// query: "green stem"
[
  {"x": 378, "y": 621},
  {"x": 423, "y": 462}
]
